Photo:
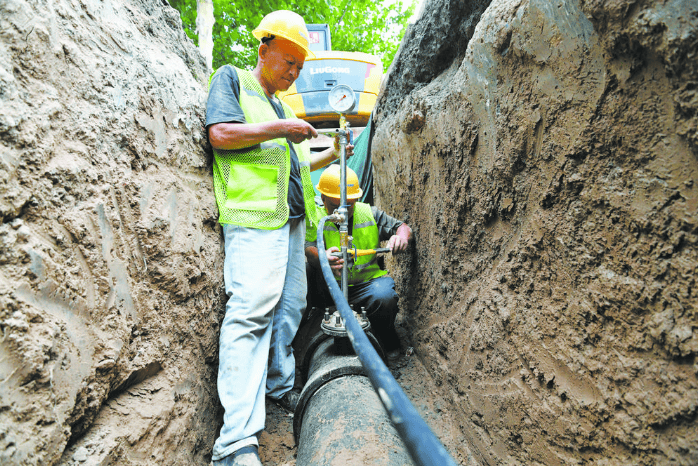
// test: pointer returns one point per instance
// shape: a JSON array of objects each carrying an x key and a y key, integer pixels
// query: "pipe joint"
[{"x": 334, "y": 325}]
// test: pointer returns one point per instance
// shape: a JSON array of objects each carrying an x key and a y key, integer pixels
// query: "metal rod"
[
  {"x": 344, "y": 226},
  {"x": 328, "y": 132}
]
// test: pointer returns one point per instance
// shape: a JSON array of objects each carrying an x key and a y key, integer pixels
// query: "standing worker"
[
  {"x": 264, "y": 194},
  {"x": 369, "y": 286}
]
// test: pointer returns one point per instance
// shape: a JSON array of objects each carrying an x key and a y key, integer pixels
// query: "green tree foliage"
[{"x": 355, "y": 25}]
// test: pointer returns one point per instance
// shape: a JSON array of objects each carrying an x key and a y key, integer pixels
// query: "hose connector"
[{"x": 336, "y": 217}]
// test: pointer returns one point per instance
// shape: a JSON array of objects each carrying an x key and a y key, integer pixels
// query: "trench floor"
[{"x": 277, "y": 446}]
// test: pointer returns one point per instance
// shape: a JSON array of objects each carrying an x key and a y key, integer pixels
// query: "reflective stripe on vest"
[
  {"x": 365, "y": 236},
  {"x": 251, "y": 185}
]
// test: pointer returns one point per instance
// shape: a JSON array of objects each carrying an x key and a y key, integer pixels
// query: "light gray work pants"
[{"x": 265, "y": 281}]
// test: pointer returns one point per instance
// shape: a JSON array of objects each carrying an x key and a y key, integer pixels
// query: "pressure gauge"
[{"x": 342, "y": 98}]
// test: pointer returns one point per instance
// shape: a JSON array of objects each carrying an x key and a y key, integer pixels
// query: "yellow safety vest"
[
  {"x": 365, "y": 236},
  {"x": 251, "y": 184}
]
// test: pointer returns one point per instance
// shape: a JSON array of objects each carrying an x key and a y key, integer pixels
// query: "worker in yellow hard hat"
[
  {"x": 265, "y": 199},
  {"x": 369, "y": 286}
]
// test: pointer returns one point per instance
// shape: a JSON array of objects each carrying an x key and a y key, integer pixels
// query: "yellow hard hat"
[
  {"x": 329, "y": 183},
  {"x": 285, "y": 24}
]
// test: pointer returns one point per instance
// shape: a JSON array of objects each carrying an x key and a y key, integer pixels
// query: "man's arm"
[
  {"x": 398, "y": 234},
  {"x": 329, "y": 155},
  {"x": 336, "y": 263},
  {"x": 233, "y": 136}
]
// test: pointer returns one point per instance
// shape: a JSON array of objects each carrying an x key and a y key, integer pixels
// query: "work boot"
[
  {"x": 288, "y": 401},
  {"x": 245, "y": 456}
]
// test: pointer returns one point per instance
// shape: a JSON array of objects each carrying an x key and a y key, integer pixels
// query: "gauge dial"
[{"x": 342, "y": 98}]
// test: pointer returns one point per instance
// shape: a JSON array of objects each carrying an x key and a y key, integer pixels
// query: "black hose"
[{"x": 423, "y": 446}]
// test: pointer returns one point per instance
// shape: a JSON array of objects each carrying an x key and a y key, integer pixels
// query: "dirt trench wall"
[
  {"x": 110, "y": 254},
  {"x": 546, "y": 155}
]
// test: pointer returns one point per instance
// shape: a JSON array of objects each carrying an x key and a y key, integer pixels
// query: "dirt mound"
[
  {"x": 110, "y": 254},
  {"x": 545, "y": 153}
]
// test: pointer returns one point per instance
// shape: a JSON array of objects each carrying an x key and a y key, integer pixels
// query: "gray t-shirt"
[{"x": 223, "y": 106}]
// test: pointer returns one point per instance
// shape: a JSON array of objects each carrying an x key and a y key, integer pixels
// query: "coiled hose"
[{"x": 422, "y": 445}]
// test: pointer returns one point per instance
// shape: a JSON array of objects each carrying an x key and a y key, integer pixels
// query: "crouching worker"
[{"x": 369, "y": 286}]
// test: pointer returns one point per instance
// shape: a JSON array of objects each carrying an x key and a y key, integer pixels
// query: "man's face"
[
  {"x": 283, "y": 61},
  {"x": 332, "y": 204}
]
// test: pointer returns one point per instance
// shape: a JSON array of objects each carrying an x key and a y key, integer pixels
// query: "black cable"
[{"x": 423, "y": 446}]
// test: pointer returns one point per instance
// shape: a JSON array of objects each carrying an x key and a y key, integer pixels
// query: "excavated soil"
[{"x": 545, "y": 154}]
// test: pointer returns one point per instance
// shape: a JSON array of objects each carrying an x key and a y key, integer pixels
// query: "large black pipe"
[
  {"x": 423, "y": 446},
  {"x": 339, "y": 418}
]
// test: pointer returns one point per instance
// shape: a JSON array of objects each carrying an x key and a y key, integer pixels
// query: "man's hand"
[
  {"x": 298, "y": 131},
  {"x": 402, "y": 237},
  {"x": 397, "y": 243},
  {"x": 336, "y": 263},
  {"x": 235, "y": 136},
  {"x": 350, "y": 148}
]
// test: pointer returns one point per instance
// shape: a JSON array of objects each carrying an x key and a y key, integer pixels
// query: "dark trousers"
[{"x": 377, "y": 296}]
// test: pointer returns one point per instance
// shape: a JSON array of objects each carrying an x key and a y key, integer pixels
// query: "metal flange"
[{"x": 334, "y": 324}]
